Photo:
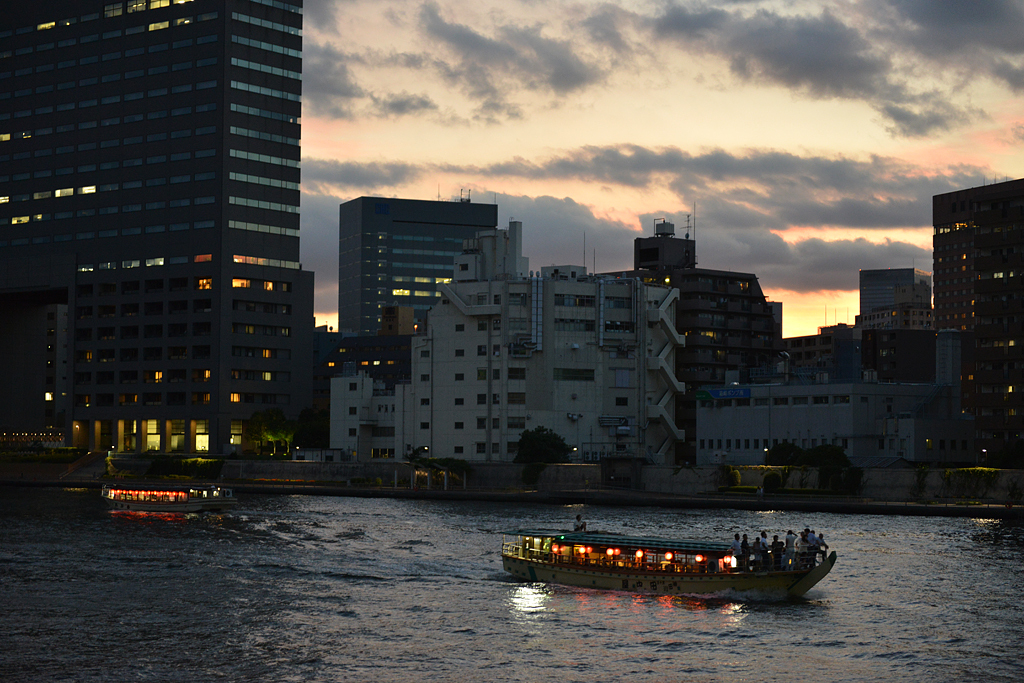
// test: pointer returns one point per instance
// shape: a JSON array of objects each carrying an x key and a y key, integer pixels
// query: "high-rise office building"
[
  {"x": 395, "y": 252},
  {"x": 979, "y": 263},
  {"x": 149, "y": 187},
  {"x": 877, "y": 286}
]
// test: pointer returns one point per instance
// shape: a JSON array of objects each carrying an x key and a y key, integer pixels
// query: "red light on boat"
[
  {"x": 668, "y": 557},
  {"x": 618, "y": 551},
  {"x": 639, "y": 554},
  {"x": 554, "y": 547},
  {"x": 610, "y": 552},
  {"x": 589, "y": 549},
  {"x": 699, "y": 558}
]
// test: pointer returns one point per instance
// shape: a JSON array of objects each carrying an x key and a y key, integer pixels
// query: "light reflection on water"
[{"x": 293, "y": 588}]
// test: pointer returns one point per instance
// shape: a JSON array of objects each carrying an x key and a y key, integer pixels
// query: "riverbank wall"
[{"x": 959, "y": 493}]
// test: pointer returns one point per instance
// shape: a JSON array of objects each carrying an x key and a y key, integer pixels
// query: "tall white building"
[{"x": 505, "y": 350}]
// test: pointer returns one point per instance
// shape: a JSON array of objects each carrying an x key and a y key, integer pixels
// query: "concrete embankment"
[{"x": 595, "y": 497}]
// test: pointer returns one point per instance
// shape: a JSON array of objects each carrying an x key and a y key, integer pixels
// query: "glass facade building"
[
  {"x": 149, "y": 191},
  {"x": 394, "y": 252}
]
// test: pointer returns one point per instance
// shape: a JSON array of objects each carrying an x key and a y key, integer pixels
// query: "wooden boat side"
[{"x": 664, "y": 583}]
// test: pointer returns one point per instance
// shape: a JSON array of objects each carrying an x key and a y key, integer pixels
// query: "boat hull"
[
  {"x": 189, "y": 506},
  {"x": 794, "y": 583}
]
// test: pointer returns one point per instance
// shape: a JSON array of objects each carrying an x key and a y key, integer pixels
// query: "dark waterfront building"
[
  {"x": 729, "y": 326},
  {"x": 979, "y": 286},
  {"x": 899, "y": 355},
  {"x": 396, "y": 252},
  {"x": 149, "y": 186}
]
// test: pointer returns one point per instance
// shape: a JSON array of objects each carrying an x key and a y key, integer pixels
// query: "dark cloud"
[
  {"x": 489, "y": 68},
  {"x": 328, "y": 87},
  {"x": 322, "y": 14},
  {"x": 819, "y": 54},
  {"x": 365, "y": 177},
  {"x": 318, "y": 247},
  {"x": 605, "y": 27},
  {"x": 959, "y": 26},
  {"x": 823, "y": 56},
  {"x": 682, "y": 21},
  {"x": 403, "y": 104}
]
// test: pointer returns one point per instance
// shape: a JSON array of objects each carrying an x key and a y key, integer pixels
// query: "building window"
[
  {"x": 481, "y": 399},
  {"x": 621, "y": 401}
]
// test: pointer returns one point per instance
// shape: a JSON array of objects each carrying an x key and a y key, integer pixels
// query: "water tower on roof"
[{"x": 665, "y": 250}]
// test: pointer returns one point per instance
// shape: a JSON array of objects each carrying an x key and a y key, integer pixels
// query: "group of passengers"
[{"x": 795, "y": 552}]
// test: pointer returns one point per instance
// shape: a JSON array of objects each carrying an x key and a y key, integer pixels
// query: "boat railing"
[{"x": 799, "y": 561}]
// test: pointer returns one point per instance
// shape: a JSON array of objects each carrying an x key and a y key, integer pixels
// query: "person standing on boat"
[
  {"x": 822, "y": 546},
  {"x": 745, "y": 553},
  {"x": 580, "y": 524},
  {"x": 802, "y": 553},
  {"x": 813, "y": 544},
  {"x": 777, "y": 548},
  {"x": 737, "y": 550},
  {"x": 788, "y": 556},
  {"x": 758, "y": 551}
]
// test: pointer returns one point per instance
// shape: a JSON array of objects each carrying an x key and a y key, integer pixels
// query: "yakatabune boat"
[
  {"x": 651, "y": 565},
  {"x": 163, "y": 498}
]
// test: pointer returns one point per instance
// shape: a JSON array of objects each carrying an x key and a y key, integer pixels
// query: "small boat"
[
  {"x": 652, "y": 565},
  {"x": 168, "y": 498}
]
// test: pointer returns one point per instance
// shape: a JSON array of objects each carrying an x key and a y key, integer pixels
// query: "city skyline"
[{"x": 811, "y": 139}]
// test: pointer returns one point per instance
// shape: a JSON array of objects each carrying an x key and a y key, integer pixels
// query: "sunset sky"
[{"x": 811, "y": 136}]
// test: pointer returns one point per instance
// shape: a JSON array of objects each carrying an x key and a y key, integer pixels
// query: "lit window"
[
  {"x": 236, "y": 398},
  {"x": 64, "y": 192},
  {"x": 15, "y": 220},
  {"x": 155, "y": 4},
  {"x": 159, "y": 25},
  {"x": 130, "y": 264},
  {"x": 88, "y": 189},
  {"x": 203, "y": 258},
  {"x": 47, "y": 25},
  {"x": 399, "y": 292},
  {"x": 41, "y": 195},
  {"x": 269, "y": 286},
  {"x": 136, "y": 5},
  {"x": 240, "y": 283},
  {"x": 204, "y": 283},
  {"x": 113, "y": 10},
  {"x": 48, "y": 396}
]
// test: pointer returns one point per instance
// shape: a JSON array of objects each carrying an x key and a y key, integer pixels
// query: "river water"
[{"x": 300, "y": 588}]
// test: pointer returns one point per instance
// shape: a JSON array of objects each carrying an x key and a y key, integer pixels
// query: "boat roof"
[
  {"x": 158, "y": 486},
  {"x": 640, "y": 542}
]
